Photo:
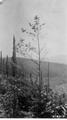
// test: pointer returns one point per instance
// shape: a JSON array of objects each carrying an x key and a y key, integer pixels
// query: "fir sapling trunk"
[
  {"x": 48, "y": 81},
  {"x": 14, "y": 59},
  {"x": 7, "y": 66},
  {"x": 1, "y": 63}
]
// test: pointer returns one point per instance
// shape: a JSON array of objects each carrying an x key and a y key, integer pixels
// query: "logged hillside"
[{"x": 57, "y": 72}]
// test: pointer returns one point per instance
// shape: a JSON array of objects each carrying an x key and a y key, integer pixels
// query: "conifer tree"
[
  {"x": 7, "y": 66},
  {"x": 24, "y": 47},
  {"x": 3, "y": 65},
  {"x": 14, "y": 58},
  {"x": 1, "y": 60}
]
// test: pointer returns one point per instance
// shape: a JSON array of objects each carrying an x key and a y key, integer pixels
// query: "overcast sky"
[{"x": 17, "y": 13}]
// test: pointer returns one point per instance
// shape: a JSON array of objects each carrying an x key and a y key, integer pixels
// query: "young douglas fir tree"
[
  {"x": 14, "y": 58},
  {"x": 25, "y": 47}
]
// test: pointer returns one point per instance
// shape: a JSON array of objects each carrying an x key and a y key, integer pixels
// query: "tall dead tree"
[
  {"x": 7, "y": 71},
  {"x": 25, "y": 47},
  {"x": 14, "y": 74},
  {"x": 48, "y": 79},
  {"x": 14, "y": 58},
  {"x": 1, "y": 64}
]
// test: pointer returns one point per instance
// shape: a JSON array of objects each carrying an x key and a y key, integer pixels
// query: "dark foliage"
[{"x": 20, "y": 99}]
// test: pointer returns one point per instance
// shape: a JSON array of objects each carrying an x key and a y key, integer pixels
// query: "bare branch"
[{"x": 29, "y": 33}]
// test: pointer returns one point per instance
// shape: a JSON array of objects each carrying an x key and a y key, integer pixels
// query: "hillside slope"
[{"x": 57, "y": 72}]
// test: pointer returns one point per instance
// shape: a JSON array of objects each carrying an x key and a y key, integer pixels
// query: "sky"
[{"x": 15, "y": 14}]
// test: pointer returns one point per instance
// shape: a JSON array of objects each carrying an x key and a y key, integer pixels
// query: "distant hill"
[{"x": 57, "y": 72}]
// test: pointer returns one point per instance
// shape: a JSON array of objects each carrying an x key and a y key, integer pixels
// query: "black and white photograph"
[{"x": 33, "y": 59}]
